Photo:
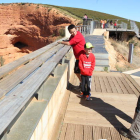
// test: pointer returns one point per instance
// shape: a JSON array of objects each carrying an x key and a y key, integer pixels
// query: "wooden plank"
[
  {"x": 70, "y": 132},
  {"x": 93, "y": 84},
  {"x": 113, "y": 87},
  {"x": 103, "y": 88},
  {"x": 115, "y": 134},
  {"x": 97, "y": 133},
  {"x": 88, "y": 132},
  {"x": 17, "y": 101},
  {"x": 63, "y": 132},
  {"x": 58, "y": 122},
  {"x": 114, "y": 74},
  {"x": 129, "y": 90},
  {"x": 97, "y": 84},
  {"x": 132, "y": 83},
  {"x": 4, "y": 70},
  {"x": 117, "y": 85},
  {"x": 106, "y": 134},
  {"x": 93, "y": 131},
  {"x": 121, "y": 85},
  {"x": 8, "y": 83},
  {"x": 79, "y": 132},
  {"x": 107, "y": 85}
]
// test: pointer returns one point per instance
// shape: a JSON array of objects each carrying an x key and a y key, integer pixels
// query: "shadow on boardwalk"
[
  {"x": 107, "y": 111},
  {"x": 73, "y": 88}
]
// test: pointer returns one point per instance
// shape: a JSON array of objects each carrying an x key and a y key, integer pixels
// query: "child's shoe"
[
  {"x": 88, "y": 97},
  {"x": 81, "y": 95}
]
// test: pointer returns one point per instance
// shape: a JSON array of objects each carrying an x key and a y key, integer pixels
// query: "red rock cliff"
[{"x": 26, "y": 28}]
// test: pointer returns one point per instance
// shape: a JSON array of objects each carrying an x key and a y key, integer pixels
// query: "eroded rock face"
[{"x": 26, "y": 28}]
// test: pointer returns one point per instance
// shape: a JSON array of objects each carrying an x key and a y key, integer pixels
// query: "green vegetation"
[
  {"x": 93, "y": 14},
  {"x": 62, "y": 32},
  {"x": 49, "y": 9},
  {"x": 106, "y": 69},
  {"x": 2, "y": 60},
  {"x": 135, "y": 42}
]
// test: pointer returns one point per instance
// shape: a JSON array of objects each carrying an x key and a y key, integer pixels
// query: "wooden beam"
[
  {"x": 4, "y": 70},
  {"x": 11, "y": 105},
  {"x": 7, "y": 83}
]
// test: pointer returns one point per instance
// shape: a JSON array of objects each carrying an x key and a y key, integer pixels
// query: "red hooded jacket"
[{"x": 86, "y": 64}]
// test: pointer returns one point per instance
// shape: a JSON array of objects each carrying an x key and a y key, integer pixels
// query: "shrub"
[
  {"x": 106, "y": 69},
  {"x": 62, "y": 32},
  {"x": 2, "y": 60},
  {"x": 23, "y": 3},
  {"x": 49, "y": 9},
  {"x": 53, "y": 34}
]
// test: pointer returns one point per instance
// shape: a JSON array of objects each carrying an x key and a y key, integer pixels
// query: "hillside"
[{"x": 94, "y": 14}]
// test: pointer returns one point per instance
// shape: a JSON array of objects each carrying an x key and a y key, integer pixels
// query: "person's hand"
[{"x": 59, "y": 42}]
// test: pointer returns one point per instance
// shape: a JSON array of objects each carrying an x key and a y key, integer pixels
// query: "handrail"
[
  {"x": 95, "y": 24},
  {"x": 5, "y": 69},
  {"x": 14, "y": 102},
  {"x": 84, "y": 29},
  {"x": 134, "y": 27},
  {"x": 123, "y": 25},
  {"x": 25, "y": 70}
]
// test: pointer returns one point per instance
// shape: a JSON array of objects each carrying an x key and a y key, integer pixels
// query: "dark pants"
[
  {"x": 86, "y": 84},
  {"x": 76, "y": 67}
]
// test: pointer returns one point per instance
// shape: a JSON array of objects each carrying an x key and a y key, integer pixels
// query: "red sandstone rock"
[{"x": 26, "y": 28}]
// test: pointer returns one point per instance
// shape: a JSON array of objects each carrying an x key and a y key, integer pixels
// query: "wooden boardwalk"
[{"x": 111, "y": 107}]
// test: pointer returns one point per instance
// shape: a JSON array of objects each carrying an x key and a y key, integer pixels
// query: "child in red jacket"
[{"x": 86, "y": 65}]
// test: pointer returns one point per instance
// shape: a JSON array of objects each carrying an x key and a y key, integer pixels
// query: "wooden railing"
[
  {"x": 84, "y": 29},
  {"x": 21, "y": 79}
]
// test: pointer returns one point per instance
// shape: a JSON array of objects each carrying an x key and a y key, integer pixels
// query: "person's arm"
[
  {"x": 64, "y": 42},
  {"x": 92, "y": 65},
  {"x": 80, "y": 64}
]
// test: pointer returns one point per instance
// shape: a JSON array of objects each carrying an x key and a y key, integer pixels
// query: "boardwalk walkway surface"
[
  {"x": 99, "y": 51},
  {"x": 98, "y": 43},
  {"x": 112, "y": 106}
]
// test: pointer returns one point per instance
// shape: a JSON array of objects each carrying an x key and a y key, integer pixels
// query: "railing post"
[
  {"x": 91, "y": 27},
  {"x": 131, "y": 46}
]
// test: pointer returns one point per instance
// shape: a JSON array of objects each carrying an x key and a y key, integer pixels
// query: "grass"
[
  {"x": 78, "y": 12},
  {"x": 65, "y": 12},
  {"x": 106, "y": 69}
]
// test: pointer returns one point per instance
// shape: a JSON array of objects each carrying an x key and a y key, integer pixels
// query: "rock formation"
[{"x": 27, "y": 27}]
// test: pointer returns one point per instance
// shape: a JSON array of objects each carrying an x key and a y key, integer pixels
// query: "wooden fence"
[{"x": 21, "y": 80}]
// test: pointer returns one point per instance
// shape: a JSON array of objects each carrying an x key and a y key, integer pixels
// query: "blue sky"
[{"x": 129, "y": 9}]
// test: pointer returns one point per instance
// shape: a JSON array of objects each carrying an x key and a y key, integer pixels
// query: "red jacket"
[{"x": 86, "y": 65}]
